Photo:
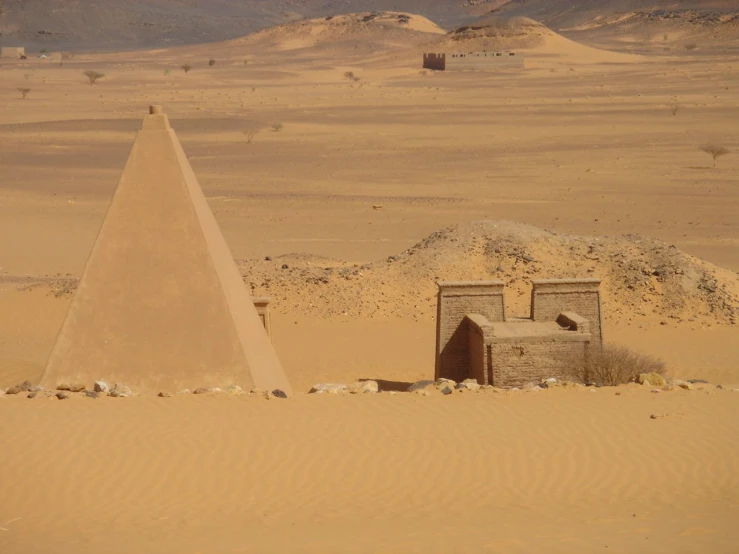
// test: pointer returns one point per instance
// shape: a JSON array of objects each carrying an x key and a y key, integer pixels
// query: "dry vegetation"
[
  {"x": 24, "y": 91},
  {"x": 715, "y": 151},
  {"x": 611, "y": 366},
  {"x": 93, "y": 76}
]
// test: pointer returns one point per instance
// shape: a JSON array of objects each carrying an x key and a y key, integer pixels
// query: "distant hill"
[
  {"x": 563, "y": 14},
  {"x": 118, "y": 24}
]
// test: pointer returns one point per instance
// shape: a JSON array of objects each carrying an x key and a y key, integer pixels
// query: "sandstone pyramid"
[{"x": 161, "y": 303}]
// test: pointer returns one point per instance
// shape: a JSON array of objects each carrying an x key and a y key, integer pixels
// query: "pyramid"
[{"x": 161, "y": 303}]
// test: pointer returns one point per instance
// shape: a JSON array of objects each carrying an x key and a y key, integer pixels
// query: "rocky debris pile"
[{"x": 642, "y": 277}]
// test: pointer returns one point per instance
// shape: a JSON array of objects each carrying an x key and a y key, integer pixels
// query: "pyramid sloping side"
[{"x": 161, "y": 303}]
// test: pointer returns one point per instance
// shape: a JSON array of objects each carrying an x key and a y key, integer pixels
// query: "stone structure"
[
  {"x": 261, "y": 303},
  {"x": 12, "y": 52},
  {"x": 473, "y": 60},
  {"x": 161, "y": 303},
  {"x": 475, "y": 339}
]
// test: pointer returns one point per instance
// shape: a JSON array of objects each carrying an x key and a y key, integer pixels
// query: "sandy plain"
[{"x": 582, "y": 142}]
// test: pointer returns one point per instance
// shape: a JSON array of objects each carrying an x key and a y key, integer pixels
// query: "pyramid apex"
[{"x": 156, "y": 120}]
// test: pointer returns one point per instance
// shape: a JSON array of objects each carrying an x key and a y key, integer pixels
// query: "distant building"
[
  {"x": 12, "y": 52},
  {"x": 473, "y": 60},
  {"x": 475, "y": 339}
]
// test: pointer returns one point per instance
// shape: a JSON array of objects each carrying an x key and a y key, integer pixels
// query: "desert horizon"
[{"x": 348, "y": 181}]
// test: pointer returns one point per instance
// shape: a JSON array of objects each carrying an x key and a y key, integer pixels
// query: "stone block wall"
[
  {"x": 551, "y": 297},
  {"x": 436, "y": 62},
  {"x": 515, "y": 363},
  {"x": 455, "y": 301}
]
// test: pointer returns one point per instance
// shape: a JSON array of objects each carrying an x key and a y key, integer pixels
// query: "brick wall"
[
  {"x": 551, "y": 297},
  {"x": 455, "y": 301},
  {"x": 434, "y": 61},
  {"x": 518, "y": 362}
]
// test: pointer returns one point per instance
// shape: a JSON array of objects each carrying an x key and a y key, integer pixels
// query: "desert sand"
[{"x": 344, "y": 200}]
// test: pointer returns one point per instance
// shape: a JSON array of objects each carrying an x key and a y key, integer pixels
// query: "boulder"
[
  {"x": 120, "y": 391},
  {"x": 364, "y": 387},
  {"x": 235, "y": 390},
  {"x": 651, "y": 379},
  {"x": 206, "y": 390},
  {"x": 420, "y": 385},
  {"x": 164, "y": 395},
  {"x": 442, "y": 382},
  {"x": 13, "y": 390},
  {"x": 36, "y": 389},
  {"x": 101, "y": 387},
  {"x": 26, "y": 386},
  {"x": 468, "y": 384},
  {"x": 279, "y": 393},
  {"x": 73, "y": 387},
  {"x": 328, "y": 388},
  {"x": 446, "y": 389},
  {"x": 32, "y": 395},
  {"x": 62, "y": 395},
  {"x": 91, "y": 394}
]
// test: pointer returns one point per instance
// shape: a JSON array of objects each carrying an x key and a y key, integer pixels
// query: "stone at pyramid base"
[{"x": 161, "y": 303}]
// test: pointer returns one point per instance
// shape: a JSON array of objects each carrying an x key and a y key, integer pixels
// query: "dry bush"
[
  {"x": 250, "y": 134},
  {"x": 714, "y": 150},
  {"x": 186, "y": 67},
  {"x": 674, "y": 109},
  {"x": 611, "y": 366},
  {"x": 24, "y": 92},
  {"x": 93, "y": 76},
  {"x": 276, "y": 127},
  {"x": 211, "y": 63},
  {"x": 691, "y": 46},
  {"x": 349, "y": 75}
]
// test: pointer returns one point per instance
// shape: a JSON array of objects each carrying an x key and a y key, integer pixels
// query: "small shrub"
[
  {"x": 276, "y": 127},
  {"x": 42, "y": 51},
  {"x": 211, "y": 63},
  {"x": 167, "y": 71},
  {"x": 691, "y": 46},
  {"x": 250, "y": 134},
  {"x": 246, "y": 62},
  {"x": 24, "y": 91},
  {"x": 93, "y": 76},
  {"x": 349, "y": 75},
  {"x": 611, "y": 366},
  {"x": 674, "y": 109},
  {"x": 186, "y": 67},
  {"x": 715, "y": 151}
]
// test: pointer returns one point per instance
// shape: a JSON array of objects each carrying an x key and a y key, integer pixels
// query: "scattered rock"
[
  {"x": 653, "y": 379},
  {"x": 279, "y": 393},
  {"x": 120, "y": 391},
  {"x": 13, "y": 390},
  {"x": 364, "y": 387},
  {"x": 165, "y": 395},
  {"x": 26, "y": 386},
  {"x": 91, "y": 394},
  {"x": 446, "y": 390},
  {"x": 442, "y": 382},
  {"x": 184, "y": 391},
  {"x": 328, "y": 388},
  {"x": 720, "y": 387},
  {"x": 62, "y": 395},
  {"x": 101, "y": 387},
  {"x": 74, "y": 387},
  {"x": 420, "y": 385},
  {"x": 260, "y": 393},
  {"x": 36, "y": 389},
  {"x": 235, "y": 390},
  {"x": 32, "y": 395},
  {"x": 684, "y": 385},
  {"x": 468, "y": 384},
  {"x": 206, "y": 390},
  {"x": 658, "y": 416},
  {"x": 697, "y": 381}
]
